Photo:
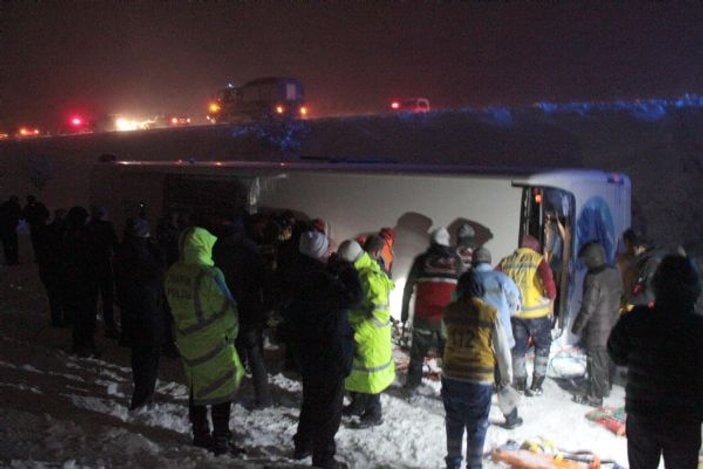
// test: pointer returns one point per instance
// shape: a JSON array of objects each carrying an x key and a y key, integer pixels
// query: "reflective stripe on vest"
[
  {"x": 221, "y": 381},
  {"x": 206, "y": 357},
  {"x": 372, "y": 369}
]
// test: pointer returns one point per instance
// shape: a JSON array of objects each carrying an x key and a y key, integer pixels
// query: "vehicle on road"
[
  {"x": 360, "y": 198},
  {"x": 263, "y": 98},
  {"x": 410, "y": 105}
]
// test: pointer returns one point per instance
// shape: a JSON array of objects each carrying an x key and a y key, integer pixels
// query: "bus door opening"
[{"x": 548, "y": 215}]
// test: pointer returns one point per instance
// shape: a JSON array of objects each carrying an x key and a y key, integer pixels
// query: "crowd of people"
[{"x": 206, "y": 291}]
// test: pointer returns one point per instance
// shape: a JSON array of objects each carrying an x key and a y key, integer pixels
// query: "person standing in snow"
[
  {"x": 647, "y": 259},
  {"x": 602, "y": 291},
  {"x": 532, "y": 274},
  {"x": 205, "y": 328},
  {"x": 321, "y": 294},
  {"x": 48, "y": 253},
  {"x": 431, "y": 281},
  {"x": 241, "y": 262},
  {"x": 373, "y": 369},
  {"x": 500, "y": 292},
  {"x": 626, "y": 265},
  {"x": 36, "y": 214},
  {"x": 10, "y": 214},
  {"x": 660, "y": 345},
  {"x": 139, "y": 272},
  {"x": 476, "y": 345},
  {"x": 103, "y": 232},
  {"x": 79, "y": 280}
]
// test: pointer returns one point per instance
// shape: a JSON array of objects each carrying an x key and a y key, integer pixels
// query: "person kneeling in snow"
[
  {"x": 475, "y": 344},
  {"x": 602, "y": 291},
  {"x": 205, "y": 327}
]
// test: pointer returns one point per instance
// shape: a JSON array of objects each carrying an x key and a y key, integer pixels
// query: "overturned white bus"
[{"x": 361, "y": 198}]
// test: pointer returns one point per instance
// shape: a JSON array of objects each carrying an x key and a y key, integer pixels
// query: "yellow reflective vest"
[
  {"x": 521, "y": 266},
  {"x": 470, "y": 326},
  {"x": 373, "y": 369},
  {"x": 205, "y": 320}
]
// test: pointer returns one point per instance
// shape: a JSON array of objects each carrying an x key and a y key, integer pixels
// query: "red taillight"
[
  {"x": 303, "y": 111},
  {"x": 395, "y": 105},
  {"x": 77, "y": 121},
  {"x": 174, "y": 120},
  {"x": 537, "y": 195},
  {"x": 280, "y": 109}
]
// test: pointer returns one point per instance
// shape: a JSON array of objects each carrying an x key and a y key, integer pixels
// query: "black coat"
[
  {"x": 246, "y": 275},
  {"x": 316, "y": 315},
  {"x": 662, "y": 350},
  {"x": 139, "y": 273},
  {"x": 79, "y": 274}
]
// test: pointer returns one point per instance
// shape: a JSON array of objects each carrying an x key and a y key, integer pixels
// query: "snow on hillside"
[{"x": 57, "y": 410}]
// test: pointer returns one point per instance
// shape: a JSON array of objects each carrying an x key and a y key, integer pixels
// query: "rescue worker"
[
  {"x": 322, "y": 293},
  {"x": 532, "y": 274},
  {"x": 373, "y": 369},
  {"x": 431, "y": 280},
  {"x": 205, "y": 329},
  {"x": 600, "y": 304},
  {"x": 139, "y": 273},
  {"x": 500, "y": 291},
  {"x": 476, "y": 346},
  {"x": 660, "y": 346},
  {"x": 465, "y": 244},
  {"x": 374, "y": 245},
  {"x": 387, "y": 254}
]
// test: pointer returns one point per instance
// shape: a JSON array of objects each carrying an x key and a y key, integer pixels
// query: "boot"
[
  {"x": 536, "y": 388},
  {"x": 520, "y": 384},
  {"x": 203, "y": 441},
  {"x": 223, "y": 445},
  {"x": 512, "y": 420}
]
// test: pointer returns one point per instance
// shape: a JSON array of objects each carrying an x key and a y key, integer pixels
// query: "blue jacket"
[{"x": 501, "y": 293}]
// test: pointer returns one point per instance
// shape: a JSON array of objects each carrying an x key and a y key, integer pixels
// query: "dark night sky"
[{"x": 164, "y": 57}]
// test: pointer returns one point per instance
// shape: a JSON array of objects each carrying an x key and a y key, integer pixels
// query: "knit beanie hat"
[
  {"x": 466, "y": 231},
  {"x": 313, "y": 244},
  {"x": 349, "y": 250},
  {"x": 529, "y": 241},
  {"x": 469, "y": 285},
  {"x": 481, "y": 255},
  {"x": 441, "y": 236}
]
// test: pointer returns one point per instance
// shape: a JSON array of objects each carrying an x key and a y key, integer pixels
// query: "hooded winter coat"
[
  {"x": 373, "y": 369},
  {"x": 602, "y": 291},
  {"x": 205, "y": 320}
]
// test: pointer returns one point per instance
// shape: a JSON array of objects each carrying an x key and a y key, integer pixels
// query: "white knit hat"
[
  {"x": 313, "y": 244},
  {"x": 349, "y": 250},
  {"x": 441, "y": 236}
]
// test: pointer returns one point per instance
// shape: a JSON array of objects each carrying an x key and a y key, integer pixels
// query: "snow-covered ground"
[{"x": 58, "y": 410}]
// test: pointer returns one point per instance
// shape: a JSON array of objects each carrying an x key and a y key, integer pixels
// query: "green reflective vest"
[
  {"x": 205, "y": 321},
  {"x": 373, "y": 369}
]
